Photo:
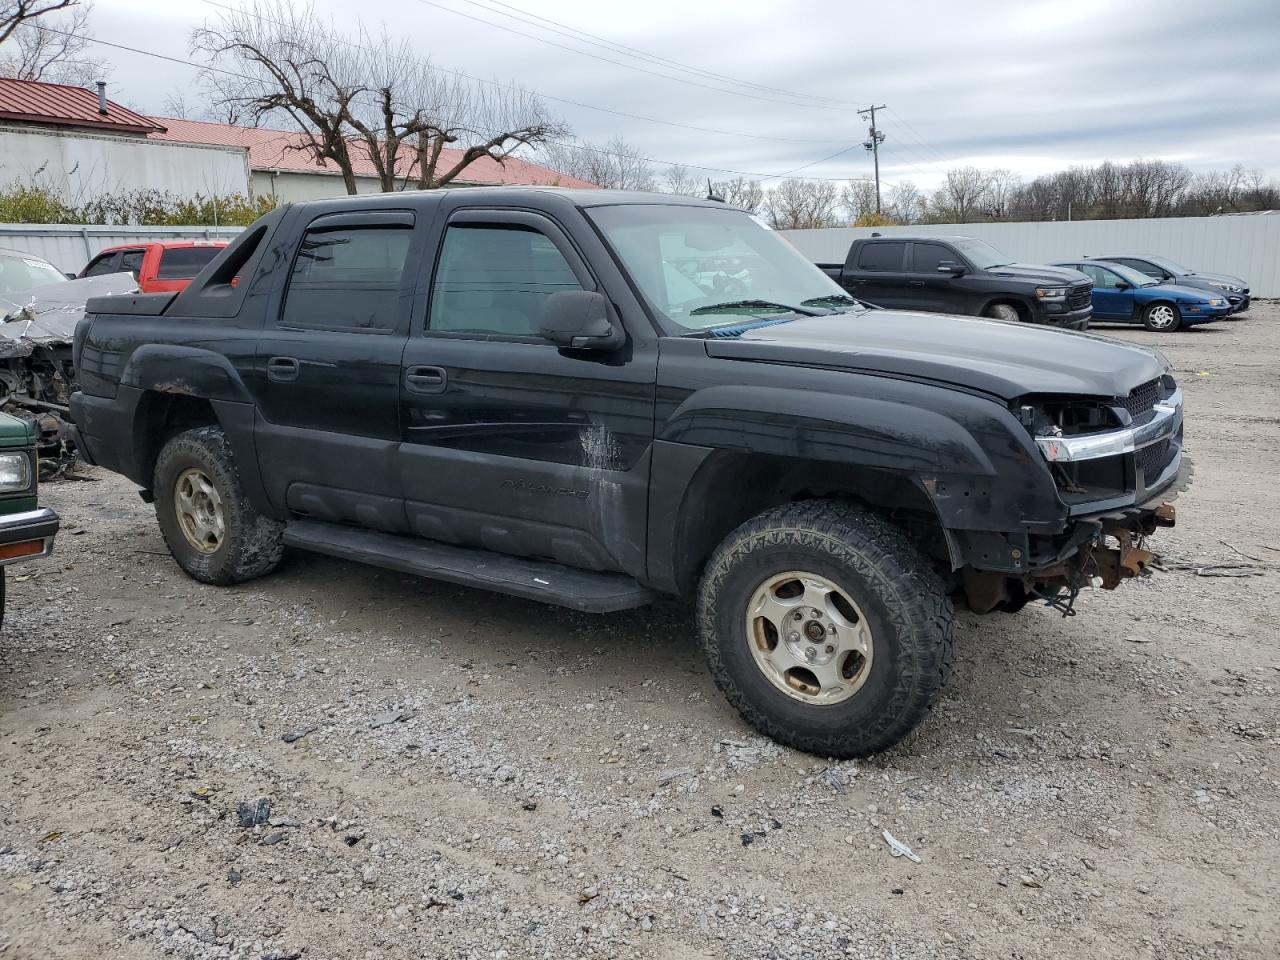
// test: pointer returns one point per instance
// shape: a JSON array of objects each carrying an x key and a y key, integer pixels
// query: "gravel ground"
[{"x": 451, "y": 773}]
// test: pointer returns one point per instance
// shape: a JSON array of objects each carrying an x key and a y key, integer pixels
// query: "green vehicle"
[{"x": 26, "y": 529}]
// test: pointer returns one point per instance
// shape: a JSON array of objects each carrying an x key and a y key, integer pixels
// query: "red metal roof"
[
  {"x": 285, "y": 150},
  {"x": 54, "y": 104}
]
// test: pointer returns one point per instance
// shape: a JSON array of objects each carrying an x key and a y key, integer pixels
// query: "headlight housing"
[
  {"x": 1051, "y": 293},
  {"x": 1217, "y": 302},
  {"x": 15, "y": 472},
  {"x": 1229, "y": 287}
]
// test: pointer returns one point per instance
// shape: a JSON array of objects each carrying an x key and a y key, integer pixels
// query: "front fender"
[
  {"x": 884, "y": 433},
  {"x": 184, "y": 371}
]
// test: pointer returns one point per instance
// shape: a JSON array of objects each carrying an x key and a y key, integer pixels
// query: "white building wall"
[
  {"x": 1246, "y": 246},
  {"x": 289, "y": 186},
  {"x": 84, "y": 165}
]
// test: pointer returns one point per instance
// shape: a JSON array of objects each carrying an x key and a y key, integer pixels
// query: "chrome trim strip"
[
  {"x": 39, "y": 515},
  {"x": 1165, "y": 423}
]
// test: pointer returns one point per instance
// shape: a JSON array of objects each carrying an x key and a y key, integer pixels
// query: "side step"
[{"x": 532, "y": 579}]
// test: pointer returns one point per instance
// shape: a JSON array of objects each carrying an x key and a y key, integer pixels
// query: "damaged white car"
[{"x": 39, "y": 310}]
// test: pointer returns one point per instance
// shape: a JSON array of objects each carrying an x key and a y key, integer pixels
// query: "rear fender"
[{"x": 186, "y": 371}]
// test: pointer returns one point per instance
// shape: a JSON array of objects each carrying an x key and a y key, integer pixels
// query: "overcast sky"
[{"x": 1034, "y": 85}]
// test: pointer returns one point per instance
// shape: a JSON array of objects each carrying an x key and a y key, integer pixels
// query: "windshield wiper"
[
  {"x": 751, "y": 304},
  {"x": 832, "y": 298}
]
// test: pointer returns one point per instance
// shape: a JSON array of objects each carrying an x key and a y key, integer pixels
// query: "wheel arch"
[
  {"x": 1008, "y": 300},
  {"x": 731, "y": 487}
]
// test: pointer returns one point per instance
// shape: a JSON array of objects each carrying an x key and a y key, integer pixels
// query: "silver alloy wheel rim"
[
  {"x": 199, "y": 508},
  {"x": 1162, "y": 316},
  {"x": 809, "y": 638}
]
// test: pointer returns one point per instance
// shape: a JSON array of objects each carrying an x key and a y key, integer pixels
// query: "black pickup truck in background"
[
  {"x": 590, "y": 398},
  {"x": 961, "y": 275}
]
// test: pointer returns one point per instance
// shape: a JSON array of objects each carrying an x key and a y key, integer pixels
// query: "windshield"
[
  {"x": 980, "y": 253},
  {"x": 19, "y": 274},
  {"x": 703, "y": 267},
  {"x": 1168, "y": 266}
]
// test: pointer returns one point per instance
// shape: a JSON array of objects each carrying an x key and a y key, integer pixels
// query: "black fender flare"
[{"x": 184, "y": 371}]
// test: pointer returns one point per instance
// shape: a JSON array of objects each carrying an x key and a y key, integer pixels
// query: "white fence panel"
[
  {"x": 1247, "y": 247},
  {"x": 70, "y": 246}
]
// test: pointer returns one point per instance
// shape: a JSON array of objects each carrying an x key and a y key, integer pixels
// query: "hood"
[
  {"x": 1207, "y": 277},
  {"x": 49, "y": 314},
  {"x": 1007, "y": 360},
  {"x": 1039, "y": 273}
]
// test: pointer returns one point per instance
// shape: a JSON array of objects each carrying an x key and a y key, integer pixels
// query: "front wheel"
[
  {"x": 1002, "y": 311},
  {"x": 209, "y": 525},
  {"x": 826, "y": 627},
  {"x": 1161, "y": 317}
]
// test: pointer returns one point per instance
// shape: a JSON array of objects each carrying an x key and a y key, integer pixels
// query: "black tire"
[
  {"x": 1152, "y": 317},
  {"x": 891, "y": 581},
  {"x": 251, "y": 545},
  {"x": 1002, "y": 311}
]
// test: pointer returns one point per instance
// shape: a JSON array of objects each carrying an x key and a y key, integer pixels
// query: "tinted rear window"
[
  {"x": 347, "y": 278},
  {"x": 882, "y": 256},
  {"x": 183, "y": 263}
]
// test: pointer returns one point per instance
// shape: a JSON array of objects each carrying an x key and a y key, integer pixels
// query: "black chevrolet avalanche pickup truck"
[
  {"x": 964, "y": 276},
  {"x": 591, "y": 398}
]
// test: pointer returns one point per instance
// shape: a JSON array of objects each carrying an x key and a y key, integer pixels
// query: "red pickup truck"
[{"x": 158, "y": 267}]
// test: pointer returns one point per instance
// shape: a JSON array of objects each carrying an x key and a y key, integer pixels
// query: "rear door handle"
[
  {"x": 421, "y": 379},
  {"x": 916, "y": 283},
  {"x": 282, "y": 369}
]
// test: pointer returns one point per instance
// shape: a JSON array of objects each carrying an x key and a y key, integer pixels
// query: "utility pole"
[{"x": 873, "y": 142}]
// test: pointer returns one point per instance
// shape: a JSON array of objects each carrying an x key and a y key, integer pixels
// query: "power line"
[
  {"x": 547, "y": 96},
  {"x": 911, "y": 131},
  {"x": 526, "y": 16},
  {"x": 620, "y": 63}
]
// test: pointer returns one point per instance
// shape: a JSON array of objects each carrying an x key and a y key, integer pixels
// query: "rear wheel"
[
  {"x": 1162, "y": 317},
  {"x": 1002, "y": 311},
  {"x": 826, "y": 627},
  {"x": 210, "y": 527}
]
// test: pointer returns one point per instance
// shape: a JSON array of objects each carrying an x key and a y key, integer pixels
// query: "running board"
[{"x": 532, "y": 579}]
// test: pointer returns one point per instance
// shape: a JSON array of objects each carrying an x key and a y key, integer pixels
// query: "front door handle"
[
  {"x": 282, "y": 369},
  {"x": 916, "y": 283},
  {"x": 421, "y": 379}
]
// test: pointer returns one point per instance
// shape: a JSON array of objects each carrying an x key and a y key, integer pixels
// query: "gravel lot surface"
[{"x": 451, "y": 773}]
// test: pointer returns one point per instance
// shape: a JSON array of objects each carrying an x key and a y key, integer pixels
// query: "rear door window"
[
  {"x": 348, "y": 278},
  {"x": 131, "y": 262},
  {"x": 887, "y": 256},
  {"x": 1143, "y": 266},
  {"x": 103, "y": 263},
  {"x": 183, "y": 263}
]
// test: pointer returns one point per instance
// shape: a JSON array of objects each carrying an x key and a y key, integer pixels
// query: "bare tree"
[
  {"x": 15, "y": 13},
  {"x": 389, "y": 107},
  {"x": 679, "y": 180},
  {"x": 962, "y": 192},
  {"x": 617, "y": 165},
  {"x": 1001, "y": 186},
  {"x": 54, "y": 49},
  {"x": 798, "y": 204},
  {"x": 905, "y": 203},
  {"x": 858, "y": 198},
  {"x": 739, "y": 192}
]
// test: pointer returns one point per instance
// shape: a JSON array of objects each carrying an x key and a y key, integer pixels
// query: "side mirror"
[
  {"x": 1121, "y": 285},
  {"x": 70, "y": 276},
  {"x": 951, "y": 267},
  {"x": 579, "y": 319}
]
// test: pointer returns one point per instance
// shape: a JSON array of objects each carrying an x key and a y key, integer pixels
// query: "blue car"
[{"x": 1127, "y": 296}]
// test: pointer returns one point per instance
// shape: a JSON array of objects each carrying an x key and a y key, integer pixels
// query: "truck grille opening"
[
  {"x": 1152, "y": 459},
  {"x": 1141, "y": 400},
  {"x": 1080, "y": 297}
]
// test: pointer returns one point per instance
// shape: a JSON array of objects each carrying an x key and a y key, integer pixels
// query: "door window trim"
[{"x": 495, "y": 216}]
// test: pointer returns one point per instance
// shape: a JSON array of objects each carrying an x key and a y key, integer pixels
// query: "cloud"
[{"x": 1036, "y": 85}]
